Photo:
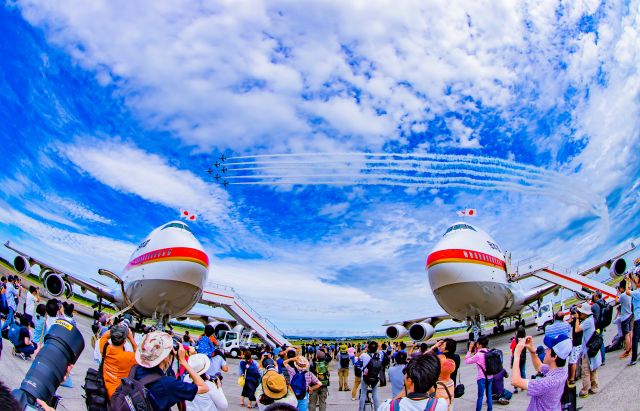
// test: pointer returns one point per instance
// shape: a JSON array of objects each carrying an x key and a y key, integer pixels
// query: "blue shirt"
[
  {"x": 167, "y": 391},
  {"x": 38, "y": 330},
  {"x": 11, "y": 294},
  {"x": 635, "y": 302},
  {"x": 625, "y": 306},
  {"x": 205, "y": 346},
  {"x": 396, "y": 377}
]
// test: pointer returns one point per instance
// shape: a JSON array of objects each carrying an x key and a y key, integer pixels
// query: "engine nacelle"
[
  {"x": 57, "y": 286},
  {"x": 421, "y": 331},
  {"x": 618, "y": 268},
  {"x": 396, "y": 331},
  {"x": 219, "y": 326},
  {"x": 22, "y": 265}
]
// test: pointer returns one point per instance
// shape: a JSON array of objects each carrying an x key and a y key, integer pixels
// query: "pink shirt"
[{"x": 479, "y": 360}]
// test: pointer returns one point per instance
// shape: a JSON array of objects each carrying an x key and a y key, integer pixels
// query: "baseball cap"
[
  {"x": 560, "y": 344},
  {"x": 119, "y": 333}
]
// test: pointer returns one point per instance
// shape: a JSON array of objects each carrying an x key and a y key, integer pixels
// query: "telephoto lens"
[{"x": 62, "y": 346}]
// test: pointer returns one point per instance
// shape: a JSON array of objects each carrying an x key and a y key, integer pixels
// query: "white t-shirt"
[
  {"x": 410, "y": 405},
  {"x": 31, "y": 305},
  {"x": 214, "y": 400}
]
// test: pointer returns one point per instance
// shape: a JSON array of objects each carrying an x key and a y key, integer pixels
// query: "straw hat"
[
  {"x": 274, "y": 385},
  {"x": 200, "y": 363},
  {"x": 154, "y": 348},
  {"x": 302, "y": 363}
]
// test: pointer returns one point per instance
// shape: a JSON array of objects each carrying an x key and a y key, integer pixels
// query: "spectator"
[
  {"x": 218, "y": 364},
  {"x": 371, "y": 369},
  {"x": 204, "y": 344},
  {"x": 521, "y": 333},
  {"x": 445, "y": 385},
  {"x": 357, "y": 372},
  {"x": 30, "y": 307},
  {"x": 117, "y": 362},
  {"x": 25, "y": 347},
  {"x": 558, "y": 326},
  {"x": 38, "y": 324},
  {"x": 626, "y": 316},
  {"x": 421, "y": 375},
  {"x": 476, "y": 355},
  {"x": 597, "y": 309},
  {"x": 301, "y": 380},
  {"x": 343, "y": 369},
  {"x": 449, "y": 351},
  {"x": 213, "y": 400},
  {"x": 635, "y": 306},
  {"x": 251, "y": 373},
  {"x": 154, "y": 356},
  {"x": 11, "y": 296},
  {"x": 67, "y": 312},
  {"x": 274, "y": 388},
  {"x": 320, "y": 368},
  {"x": 499, "y": 394},
  {"x": 576, "y": 351},
  {"x": 545, "y": 392},
  {"x": 588, "y": 365},
  {"x": 396, "y": 373}
]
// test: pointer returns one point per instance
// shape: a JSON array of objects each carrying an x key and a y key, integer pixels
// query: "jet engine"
[
  {"x": 219, "y": 326},
  {"x": 618, "y": 267},
  {"x": 57, "y": 286},
  {"x": 421, "y": 331},
  {"x": 21, "y": 264},
  {"x": 396, "y": 331}
]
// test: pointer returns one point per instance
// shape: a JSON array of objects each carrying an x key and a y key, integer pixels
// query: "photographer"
[
  {"x": 154, "y": 356},
  {"x": 213, "y": 400},
  {"x": 117, "y": 362},
  {"x": 589, "y": 365},
  {"x": 371, "y": 369},
  {"x": 635, "y": 305},
  {"x": 545, "y": 392},
  {"x": 476, "y": 355}
]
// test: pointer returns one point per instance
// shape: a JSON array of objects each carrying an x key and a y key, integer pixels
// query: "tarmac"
[{"x": 617, "y": 380}]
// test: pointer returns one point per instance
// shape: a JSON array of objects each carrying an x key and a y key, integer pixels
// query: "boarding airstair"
[
  {"x": 561, "y": 276},
  {"x": 227, "y": 298}
]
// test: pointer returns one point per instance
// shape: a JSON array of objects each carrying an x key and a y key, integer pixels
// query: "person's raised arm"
[
  {"x": 537, "y": 364},
  {"x": 197, "y": 380},
  {"x": 104, "y": 339},
  {"x": 577, "y": 325},
  {"x": 132, "y": 340}
]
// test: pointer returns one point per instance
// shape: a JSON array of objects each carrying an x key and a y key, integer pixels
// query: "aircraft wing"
[
  {"x": 100, "y": 289},
  {"x": 608, "y": 262},
  {"x": 431, "y": 319}
]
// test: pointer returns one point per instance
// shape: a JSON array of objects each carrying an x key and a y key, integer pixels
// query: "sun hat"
[
  {"x": 200, "y": 363},
  {"x": 302, "y": 363},
  {"x": 585, "y": 308},
  {"x": 560, "y": 344},
  {"x": 343, "y": 348},
  {"x": 274, "y": 385},
  {"x": 154, "y": 348}
]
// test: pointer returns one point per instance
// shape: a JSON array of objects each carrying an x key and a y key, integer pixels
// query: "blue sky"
[{"x": 110, "y": 113}]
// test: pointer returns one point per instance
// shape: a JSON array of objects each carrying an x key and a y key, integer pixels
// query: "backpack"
[
  {"x": 344, "y": 360},
  {"x": 594, "y": 344},
  {"x": 606, "y": 315},
  {"x": 95, "y": 393},
  {"x": 357, "y": 368},
  {"x": 132, "y": 394},
  {"x": 299, "y": 384},
  {"x": 322, "y": 372},
  {"x": 13, "y": 333},
  {"x": 373, "y": 368},
  {"x": 493, "y": 361},
  {"x": 432, "y": 403}
]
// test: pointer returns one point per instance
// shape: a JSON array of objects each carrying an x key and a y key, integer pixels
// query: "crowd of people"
[{"x": 188, "y": 371}]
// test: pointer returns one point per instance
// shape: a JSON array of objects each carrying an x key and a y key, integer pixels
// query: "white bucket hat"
[
  {"x": 585, "y": 308},
  {"x": 200, "y": 363},
  {"x": 154, "y": 348}
]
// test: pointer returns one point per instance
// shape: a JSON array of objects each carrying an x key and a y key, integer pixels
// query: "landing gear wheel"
[
  {"x": 471, "y": 338},
  {"x": 496, "y": 330},
  {"x": 501, "y": 328}
]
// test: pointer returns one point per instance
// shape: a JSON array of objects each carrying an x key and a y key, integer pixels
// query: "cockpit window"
[
  {"x": 177, "y": 225},
  {"x": 459, "y": 227}
]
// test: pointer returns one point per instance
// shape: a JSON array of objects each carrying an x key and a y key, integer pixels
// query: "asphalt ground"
[{"x": 618, "y": 382}]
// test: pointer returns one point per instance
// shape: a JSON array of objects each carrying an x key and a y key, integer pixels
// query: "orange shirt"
[{"x": 117, "y": 365}]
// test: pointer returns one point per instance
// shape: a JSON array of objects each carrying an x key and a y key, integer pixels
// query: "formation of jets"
[{"x": 224, "y": 169}]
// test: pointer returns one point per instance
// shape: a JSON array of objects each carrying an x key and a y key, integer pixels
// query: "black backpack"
[
  {"x": 132, "y": 394},
  {"x": 95, "y": 393},
  {"x": 606, "y": 315},
  {"x": 594, "y": 344},
  {"x": 344, "y": 360},
  {"x": 373, "y": 368},
  {"x": 493, "y": 361}
]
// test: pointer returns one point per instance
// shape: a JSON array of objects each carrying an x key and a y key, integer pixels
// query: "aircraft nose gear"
[{"x": 475, "y": 327}]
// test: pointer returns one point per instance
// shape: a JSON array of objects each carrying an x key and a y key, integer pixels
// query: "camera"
[
  {"x": 573, "y": 309},
  {"x": 62, "y": 346}
]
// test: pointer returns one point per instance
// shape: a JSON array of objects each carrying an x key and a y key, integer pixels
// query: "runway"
[{"x": 612, "y": 380}]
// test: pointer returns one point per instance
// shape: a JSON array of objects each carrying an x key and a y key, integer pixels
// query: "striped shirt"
[{"x": 557, "y": 328}]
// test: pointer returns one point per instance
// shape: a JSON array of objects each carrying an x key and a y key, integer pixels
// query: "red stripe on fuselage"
[
  {"x": 464, "y": 256},
  {"x": 170, "y": 254}
]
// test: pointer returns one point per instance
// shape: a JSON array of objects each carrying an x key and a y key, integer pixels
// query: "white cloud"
[{"x": 76, "y": 209}]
